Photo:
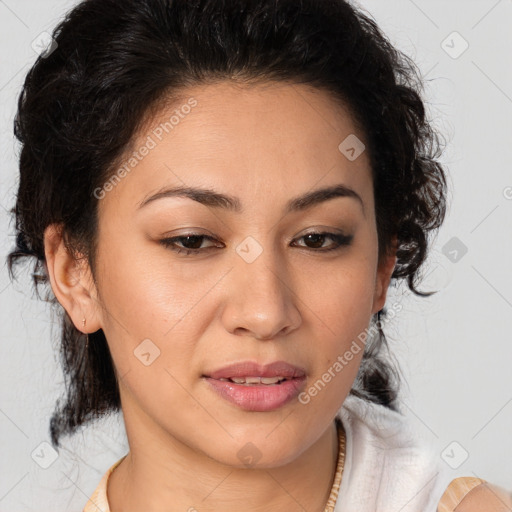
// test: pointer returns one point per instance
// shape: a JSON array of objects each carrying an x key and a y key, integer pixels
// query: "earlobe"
[{"x": 71, "y": 281}]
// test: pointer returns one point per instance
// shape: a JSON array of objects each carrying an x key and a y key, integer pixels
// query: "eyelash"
[{"x": 340, "y": 242}]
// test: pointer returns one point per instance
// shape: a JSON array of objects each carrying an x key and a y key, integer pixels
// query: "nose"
[{"x": 260, "y": 300}]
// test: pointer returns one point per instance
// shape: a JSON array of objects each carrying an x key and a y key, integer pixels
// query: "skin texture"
[{"x": 265, "y": 145}]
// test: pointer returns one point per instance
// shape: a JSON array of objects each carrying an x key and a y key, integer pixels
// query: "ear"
[
  {"x": 71, "y": 281},
  {"x": 383, "y": 277}
]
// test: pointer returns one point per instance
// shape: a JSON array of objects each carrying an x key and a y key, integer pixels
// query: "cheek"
[
  {"x": 149, "y": 293},
  {"x": 341, "y": 295},
  {"x": 144, "y": 300},
  {"x": 339, "y": 310}
]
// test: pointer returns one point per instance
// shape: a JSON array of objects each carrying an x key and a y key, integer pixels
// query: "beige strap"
[{"x": 469, "y": 494}]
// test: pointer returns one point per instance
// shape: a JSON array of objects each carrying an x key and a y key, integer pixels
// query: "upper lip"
[{"x": 252, "y": 369}]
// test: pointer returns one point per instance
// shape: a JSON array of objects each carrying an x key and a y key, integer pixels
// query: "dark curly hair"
[{"x": 116, "y": 62}]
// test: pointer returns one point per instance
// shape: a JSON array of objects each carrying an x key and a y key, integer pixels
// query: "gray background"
[{"x": 455, "y": 348}]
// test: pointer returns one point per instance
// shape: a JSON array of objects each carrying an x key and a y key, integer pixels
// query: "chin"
[{"x": 258, "y": 452}]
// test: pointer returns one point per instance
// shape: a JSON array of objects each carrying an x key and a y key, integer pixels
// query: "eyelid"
[{"x": 321, "y": 229}]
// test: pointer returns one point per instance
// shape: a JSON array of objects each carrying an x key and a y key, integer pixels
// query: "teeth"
[
  {"x": 237, "y": 380},
  {"x": 252, "y": 380},
  {"x": 256, "y": 380},
  {"x": 270, "y": 380}
]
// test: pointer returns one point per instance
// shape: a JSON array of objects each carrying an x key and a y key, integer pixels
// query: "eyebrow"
[{"x": 215, "y": 199}]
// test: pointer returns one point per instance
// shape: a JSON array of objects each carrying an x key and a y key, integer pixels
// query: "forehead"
[{"x": 244, "y": 138}]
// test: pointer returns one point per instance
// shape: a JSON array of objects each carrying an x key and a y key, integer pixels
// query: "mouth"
[
  {"x": 251, "y": 381},
  {"x": 258, "y": 388}
]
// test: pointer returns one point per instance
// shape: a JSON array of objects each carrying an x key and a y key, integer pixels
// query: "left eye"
[
  {"x": 318, "y": 238},
  {"x": 191, "y": 243}
]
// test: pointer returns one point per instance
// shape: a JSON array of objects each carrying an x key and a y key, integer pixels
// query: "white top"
[{"x": 388, "y": 467}]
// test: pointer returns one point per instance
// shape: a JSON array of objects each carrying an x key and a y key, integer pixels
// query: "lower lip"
[{"x": 258, "y": 397}]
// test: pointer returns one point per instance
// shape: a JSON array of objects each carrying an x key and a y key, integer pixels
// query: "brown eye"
[
  {"x": 315, "y": 241},
  {"x": 190, "y": 243}
]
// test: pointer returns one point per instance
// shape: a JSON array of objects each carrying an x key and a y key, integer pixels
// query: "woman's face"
[{"x": 253, "y": 285}]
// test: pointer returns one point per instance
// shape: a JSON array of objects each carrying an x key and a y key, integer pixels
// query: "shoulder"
[
  {"x": 98, "y": 499},
  {"x": 469, "y": 494}
]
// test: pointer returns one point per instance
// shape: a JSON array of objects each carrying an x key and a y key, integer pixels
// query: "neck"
[{"x": 168, "y": 475}]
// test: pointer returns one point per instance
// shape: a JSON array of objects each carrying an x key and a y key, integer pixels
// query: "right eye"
[{"x": 191, "y": 243}]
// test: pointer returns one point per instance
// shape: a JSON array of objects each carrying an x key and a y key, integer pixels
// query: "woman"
[{"x": 219, "y": 194}]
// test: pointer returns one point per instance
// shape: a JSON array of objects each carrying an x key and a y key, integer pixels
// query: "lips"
[
  {"x": 250, "y": 369},
  {"x": 255, "y": 387}
]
